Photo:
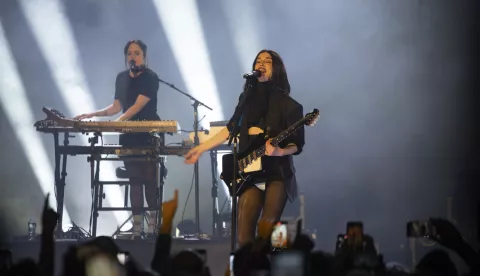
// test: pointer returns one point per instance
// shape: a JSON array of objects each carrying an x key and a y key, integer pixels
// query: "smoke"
[{"x": 389, "y": 78}]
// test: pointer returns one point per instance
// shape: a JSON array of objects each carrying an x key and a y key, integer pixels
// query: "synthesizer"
[{"x": 56, "y": 122}]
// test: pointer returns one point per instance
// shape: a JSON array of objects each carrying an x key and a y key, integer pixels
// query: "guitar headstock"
[{"x": 312, "y": 117}]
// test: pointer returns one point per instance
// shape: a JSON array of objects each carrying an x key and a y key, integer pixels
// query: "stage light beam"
[
  {"x": 183, "y": 28},
  {"x": 14, "y": 101},
  {"x": 244, "y": 21},
  {"x": 54, "y": 36}
]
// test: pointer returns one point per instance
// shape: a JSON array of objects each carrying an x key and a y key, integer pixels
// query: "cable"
[
  {"x": 176, "y": 143},
  {"x": 91, "y": 213},
  {"x": 201, "y": 120},
  {"x": 223, "y": 206},
  {"x": 186, "y": 200}
]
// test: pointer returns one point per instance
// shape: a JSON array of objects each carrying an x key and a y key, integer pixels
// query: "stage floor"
[{"x": 142, "y": 251}]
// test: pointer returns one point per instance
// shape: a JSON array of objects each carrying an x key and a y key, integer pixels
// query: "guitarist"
[{"x": 266, "y": 111}]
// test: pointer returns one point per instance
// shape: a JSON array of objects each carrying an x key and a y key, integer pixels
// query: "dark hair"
[
  {"x": 279, "y": 77},
  {"x": 140, "y": 44}
]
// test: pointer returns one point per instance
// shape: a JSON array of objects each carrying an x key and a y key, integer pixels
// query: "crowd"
[{"x": 355, "y": 256}]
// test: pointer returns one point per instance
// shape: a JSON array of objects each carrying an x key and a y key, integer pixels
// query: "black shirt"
[
  {"x": 127, "y": 90},
  {"x": 273, "y": 111},
  {"x": 257, "y": 104}
]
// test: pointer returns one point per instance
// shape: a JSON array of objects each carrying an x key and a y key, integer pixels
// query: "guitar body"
[
  {"x": 249, "y": 175},
  {"x": 249, "y": 163}
]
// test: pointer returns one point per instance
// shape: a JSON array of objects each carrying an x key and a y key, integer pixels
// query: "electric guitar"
[{"x": 249, "y": 162}]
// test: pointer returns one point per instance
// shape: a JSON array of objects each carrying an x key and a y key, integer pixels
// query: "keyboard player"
[{"x": 136, "y": 97}]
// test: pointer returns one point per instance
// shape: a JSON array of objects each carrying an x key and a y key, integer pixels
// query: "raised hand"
[
  {"x": 49, "y": 216},
  {"x": 170, "y": 207}
]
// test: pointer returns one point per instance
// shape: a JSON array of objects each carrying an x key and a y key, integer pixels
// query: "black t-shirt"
[
  {"x": 271, "y": 110},
  {"x": 127, "y": 90},
  {"x": 257, "y": 104}
]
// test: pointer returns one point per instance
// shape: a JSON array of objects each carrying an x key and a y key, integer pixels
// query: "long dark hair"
[
  {"x": 142, "y": 46},
  {"x": 279, "y": 73}
]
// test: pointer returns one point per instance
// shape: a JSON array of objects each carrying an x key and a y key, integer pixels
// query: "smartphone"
[
  {"x": 123, "y": 257},
  {"x": 279, "y": 237},
  {"x": 232, "y": 256},
  {"x": 288, "y": 263},
  {"x": 102, "y": 265}
]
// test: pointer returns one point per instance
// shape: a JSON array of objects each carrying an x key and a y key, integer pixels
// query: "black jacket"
[{"x": 283, "y": 111}]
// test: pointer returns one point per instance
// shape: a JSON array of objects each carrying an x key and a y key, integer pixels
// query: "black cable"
[
  {"x": 91, "y": 214},
  {"x": 186, "y": 200},
  {"x": 223, "y": 206}
]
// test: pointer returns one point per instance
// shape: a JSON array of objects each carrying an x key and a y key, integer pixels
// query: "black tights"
[
  {"x": 142, "y": 174},
  {"x": 251, "y": 203}
]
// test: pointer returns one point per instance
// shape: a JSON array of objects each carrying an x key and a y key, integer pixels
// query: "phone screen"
[
  {"x": 288, "y": 263},
  {"x": 280, "y": 235},
  {"x": 232, "y": 257},
  {"x": 122, "y": 257}
]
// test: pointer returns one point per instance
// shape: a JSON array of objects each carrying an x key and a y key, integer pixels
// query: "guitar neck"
[{"x": 260, "y": 152}]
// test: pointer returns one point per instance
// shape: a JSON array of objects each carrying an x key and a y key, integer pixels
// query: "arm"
[
  {"x": 293, "y": 144},
  {"x": 216, "y": 140},
  {"x": 161, "y": 257},
  {"x": 193, "y": 155},
  {"x": 135, "y": 108},
  {"x": 47, "y": 246},
  {"x": 289, "y": 149},
  {"x": 110, "y": 110}
]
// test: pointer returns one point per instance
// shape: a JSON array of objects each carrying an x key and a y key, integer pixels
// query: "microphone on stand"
[
  {"x": 252, "y": 75},
  {"x": 133, "y": 67}
]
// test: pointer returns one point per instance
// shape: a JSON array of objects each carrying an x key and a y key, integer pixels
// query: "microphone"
[
  {"x": 133, "y": 67},
  {"x": 252, "y": 75}
]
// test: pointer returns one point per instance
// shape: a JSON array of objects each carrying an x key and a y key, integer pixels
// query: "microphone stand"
[
  {"x": 196, "y": 142},
  {"x": 233, "y": 136}
]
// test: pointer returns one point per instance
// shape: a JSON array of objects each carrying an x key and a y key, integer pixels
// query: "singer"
[
  {"x": 268, "y": 109},
  {"x": 136, "y": 95}
]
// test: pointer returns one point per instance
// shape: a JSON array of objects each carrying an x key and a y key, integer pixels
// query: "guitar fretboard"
[{"x": 260, "y": 152}]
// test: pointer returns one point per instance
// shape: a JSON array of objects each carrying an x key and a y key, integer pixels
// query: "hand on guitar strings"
[{"x": 270, "y": 150}]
